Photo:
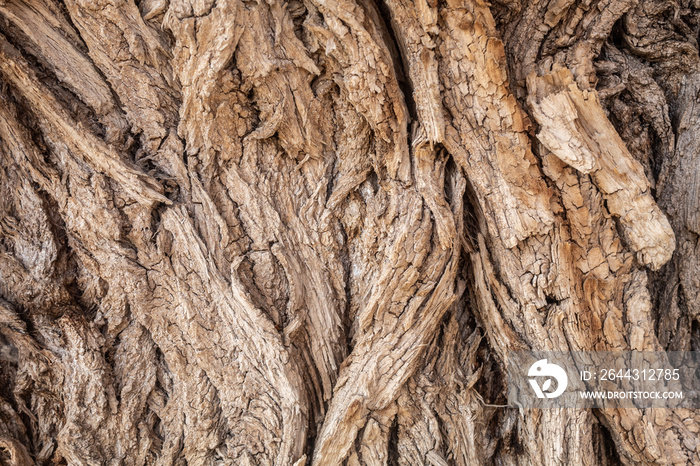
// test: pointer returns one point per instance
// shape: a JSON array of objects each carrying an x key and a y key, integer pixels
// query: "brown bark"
[{"x": 309, "y": 231}]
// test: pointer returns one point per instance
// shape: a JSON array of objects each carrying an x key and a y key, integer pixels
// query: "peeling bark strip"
[
  {"x": 573, "y": 127},
  {"x": 308, "y": 232}
]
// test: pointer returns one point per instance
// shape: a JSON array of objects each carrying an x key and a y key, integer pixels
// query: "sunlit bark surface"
[{"x": 308, "y": 232}]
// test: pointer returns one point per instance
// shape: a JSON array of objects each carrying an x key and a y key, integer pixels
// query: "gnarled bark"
[{"x": 309, "y": 231}]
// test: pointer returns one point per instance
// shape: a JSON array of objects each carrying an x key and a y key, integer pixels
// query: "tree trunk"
[{"x": 308, "y": 232}]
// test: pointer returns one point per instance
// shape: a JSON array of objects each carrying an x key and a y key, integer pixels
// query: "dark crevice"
[
  {"x": 156, "y": 219},
  {"x": 358, "y": 446},
  {"x": 505, "y": 446},
  {"x": 398, "y": 59},
  {"x": 473, "y": 216},
  {"x": 70, "y": 101},
  {"x": 347, "y": 277},
  {"x": 373, "y": 180},
  {"x": 695, "y": 335},
  {"x": 80, "y": 44},
  {"x": 20, "y": 109},
  {"x": 393, "y": 447},
  {"x": 59, "y": 232},
  {"x": 606, "y": 446},
  {"x": 552, "y": 300},
  {"x": 330, "y": 176},
  {"x": 83, "y": 48},
  {"x": 109, "y": 354},
  {"x": 74, "y": 289}
]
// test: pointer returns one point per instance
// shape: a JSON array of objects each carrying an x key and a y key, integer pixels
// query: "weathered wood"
[{"x": 308, "y": 232}]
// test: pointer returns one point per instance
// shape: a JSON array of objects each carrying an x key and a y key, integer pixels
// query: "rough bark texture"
[{"x": 308, "y": 232}]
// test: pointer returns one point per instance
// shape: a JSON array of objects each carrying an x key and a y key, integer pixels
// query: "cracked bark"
[{"x": 307, "y": 232}]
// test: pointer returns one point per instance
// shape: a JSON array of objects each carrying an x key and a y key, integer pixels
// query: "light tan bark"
[{"x": 308, "y": 232}]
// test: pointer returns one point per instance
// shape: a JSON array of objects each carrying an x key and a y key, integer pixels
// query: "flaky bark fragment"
[{"x": 574, "y": 127}]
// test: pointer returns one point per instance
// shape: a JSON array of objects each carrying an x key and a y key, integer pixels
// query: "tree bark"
[{"x": 308, "y": 232}]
